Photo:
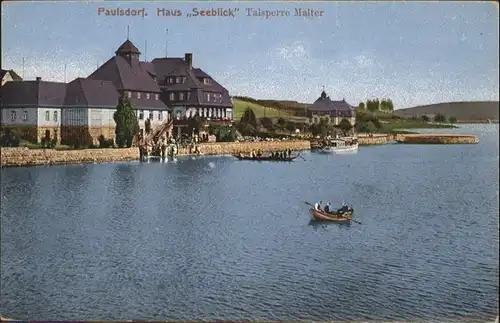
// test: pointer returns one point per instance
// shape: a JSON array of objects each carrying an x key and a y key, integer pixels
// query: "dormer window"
[
  {"x": 171, "y": 96},
  {"x": 181, "y": 96},
  {"x": 129, "y": 94},
  {"x": 148, "y": 96},
  {"x": 178, "y": 80},
  {"x": 206, "y": 81},
  {"x": 138, "y": 95}
]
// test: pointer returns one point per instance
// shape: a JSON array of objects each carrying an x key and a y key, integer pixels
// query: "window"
[
  {"x": 55, "y": 116},
  {"x": 13, "y": 115},
  {"x": 178, "y": 115},
  {"x": 25, "y": 115},
  {"x": 171, "y": 96},
  {"x": 148, "y": 96},
  {"x": 151, "y": 116},
  {"x": 188, "y": 95},
  {"x": 138, "y": 95},
  {"x": 208, "y": 97},
  {"x": 47, "y": 115},
  {"x": 141, "y": 115},
  {"x": 156, "y": 96},
  {"x": 183, "y": 79},
  {"x": 129, "y": 94},
  {"x": 178, "y": 80},
  {"x": 206, "y": 81},
  {"x": 181, "y": 96},
  {"x": 160, "y": 115}
]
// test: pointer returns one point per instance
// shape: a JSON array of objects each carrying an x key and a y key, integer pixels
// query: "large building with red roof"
[{"x": 160, "y": 90}]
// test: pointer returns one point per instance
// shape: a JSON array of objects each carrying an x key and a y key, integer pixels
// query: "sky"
[{"x": 411, "y": 52}]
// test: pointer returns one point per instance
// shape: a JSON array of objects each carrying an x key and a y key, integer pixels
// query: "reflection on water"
[{"x": 213, "y": 237}]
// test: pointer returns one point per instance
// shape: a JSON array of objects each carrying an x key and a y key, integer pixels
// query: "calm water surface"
[{"x": 218, "y": 238}]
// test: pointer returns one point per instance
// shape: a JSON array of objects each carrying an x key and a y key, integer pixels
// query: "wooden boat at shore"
[
  {"x": 267, "y": 158},
  {"x": 331, "y": 216}
]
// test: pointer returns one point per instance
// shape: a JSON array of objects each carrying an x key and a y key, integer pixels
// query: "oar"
[
  {"x": 308, "y": 203},
  {"x": 301, "y": 157}
]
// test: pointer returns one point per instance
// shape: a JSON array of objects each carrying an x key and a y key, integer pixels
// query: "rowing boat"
[
  {"x": 331, "y": 216},
  {"x": 266, "y": 158}
]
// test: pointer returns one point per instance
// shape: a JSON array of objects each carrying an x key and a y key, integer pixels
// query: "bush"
[
  {"x": 105, "y": 143},
  {"x": 48, "y": 143},
  {"x": 9, "y": 140},
  {"x": 84, "y": 141}
]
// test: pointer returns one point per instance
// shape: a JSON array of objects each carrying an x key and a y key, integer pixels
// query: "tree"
[
  {"x": 127, "y": 125},
  {"x": 361, "y": 106},
  {"x": 367, "y": 127},
  {"x": 452, "y": 120},
  {"x": 320, "y": 129},
  {"x": 372, "y": 105},
  {"x": 281, "y": 123},
  {"x": 425, "y": 118},
  {"x": 439, "y": 118},
  {"x": 383, "y": 105},
  {"x": 389, "y": 105},
  {"x": 249, "y": 118},
  {"x": 291, "y": 126},
  {"x": 345, "y": 126},
  {"x": 147, "y": 125},
  {"x": 267, "y": 123}
]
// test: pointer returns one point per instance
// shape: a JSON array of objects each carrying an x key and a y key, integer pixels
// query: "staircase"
[{"x": 158, "y": 131}]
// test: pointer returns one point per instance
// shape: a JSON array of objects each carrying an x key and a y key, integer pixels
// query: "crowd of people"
[{"x": 274, "y": 155}]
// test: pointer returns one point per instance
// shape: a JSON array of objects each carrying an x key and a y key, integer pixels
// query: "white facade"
[
  {"x": 49, "y": 117},
  {"x": 20, "y": 116}
]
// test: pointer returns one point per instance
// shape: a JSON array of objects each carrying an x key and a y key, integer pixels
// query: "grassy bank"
[{"x": 260, "y": 111}]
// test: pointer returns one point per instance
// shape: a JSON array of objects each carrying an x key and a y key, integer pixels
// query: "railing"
[{"x": 158, "y": 131}]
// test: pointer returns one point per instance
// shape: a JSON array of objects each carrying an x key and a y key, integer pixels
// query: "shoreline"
[{"x": 24, "y": 156}]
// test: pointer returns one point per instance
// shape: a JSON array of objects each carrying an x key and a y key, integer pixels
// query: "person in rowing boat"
[
  {"x": 317, "y": 206},
  {"x": 259, "y": 153},
  {"x": 289, "y": 153},
  {"x": 327, "y": 207}
]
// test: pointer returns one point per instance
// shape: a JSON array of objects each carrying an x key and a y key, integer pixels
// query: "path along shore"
[{"x": 22, "y": 156}]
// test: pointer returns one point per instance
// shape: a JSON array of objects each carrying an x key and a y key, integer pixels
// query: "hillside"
[
  {"x": 463, "y": 111},
  {"x": 260, "y": 110},
  {"x": 282, "y": 106}
]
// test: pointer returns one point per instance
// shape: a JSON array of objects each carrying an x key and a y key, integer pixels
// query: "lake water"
[{"x": 218, "y": 238}]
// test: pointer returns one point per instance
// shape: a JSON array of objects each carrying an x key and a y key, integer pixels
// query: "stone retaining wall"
[
  {"x": 21, "y": 156},
  {"x": 437, "y": 139},
  {"x": 374, "y": 139}
]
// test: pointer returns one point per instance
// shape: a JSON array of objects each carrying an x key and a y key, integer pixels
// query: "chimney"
[
  {"x": 38, "y": 78},
  {"x": 188, "y": 57}
]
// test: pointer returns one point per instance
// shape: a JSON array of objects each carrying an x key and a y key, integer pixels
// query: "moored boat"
[{"x": 340, "y": 145}]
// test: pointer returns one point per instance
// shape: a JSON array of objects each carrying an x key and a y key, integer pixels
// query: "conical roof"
[{"x": 127, "y": 48}]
